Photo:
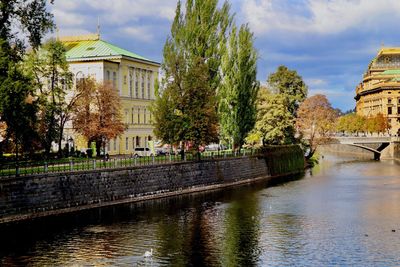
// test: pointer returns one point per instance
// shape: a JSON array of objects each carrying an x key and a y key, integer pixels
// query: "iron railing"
[{"x": 77, "y": 164}]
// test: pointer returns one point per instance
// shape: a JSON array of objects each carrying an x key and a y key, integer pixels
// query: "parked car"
[{"x": 142, "y": 152}]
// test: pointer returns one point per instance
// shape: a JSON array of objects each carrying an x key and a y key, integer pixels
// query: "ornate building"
[
  {"x": 379, "y": 91},
  {"x": 132, "y": 76}
]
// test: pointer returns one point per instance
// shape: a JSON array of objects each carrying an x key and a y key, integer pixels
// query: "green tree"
[
  {"x": 275, "y": 123},
  {"x": 238, "y": 91},
  {"x": 192, "y": 75},
  {"x": 288, "y": 82},
  {"x": 17, "y": 108},
  {"x": 49, "y": 68}
]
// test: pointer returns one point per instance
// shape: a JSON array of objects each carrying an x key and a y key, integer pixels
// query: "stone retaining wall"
[{"x": 34, "y": 196}]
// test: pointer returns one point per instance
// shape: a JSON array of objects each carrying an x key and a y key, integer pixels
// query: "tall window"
[
  {"x": 108, "y": 145},
  {"x": 133, "y": 142},
  {"x": 133, "y": 112},
  {"x": 389, "y": 101},
  {"x": 137, "y": 83},
  {"x": 130, "y": 83},
  {"x": 389, "y": 110},
  {"x": 115, "y": 144},
  {"x": 115, "y": 80},
  {"x": 149, "y": 76},
  {"x": 398, "y": 110},
  {"x": 143, "y": 80},
  {"x": 127, "y": 143},
  {"x": 137, "y": 141},
  {"x": 138, "y": 115},
  {"x": 144, "y": 116}
]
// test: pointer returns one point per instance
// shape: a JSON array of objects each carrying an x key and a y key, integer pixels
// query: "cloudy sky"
[{"x": 329, "y": 42}]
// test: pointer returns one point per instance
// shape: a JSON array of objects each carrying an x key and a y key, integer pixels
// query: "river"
[{"x": 344, "y": 212}]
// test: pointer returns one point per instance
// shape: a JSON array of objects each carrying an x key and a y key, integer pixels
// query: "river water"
[{"x": 344, "y": 212}]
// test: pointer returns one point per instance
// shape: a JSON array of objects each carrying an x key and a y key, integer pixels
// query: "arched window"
[{"x": 79, "y": 77}]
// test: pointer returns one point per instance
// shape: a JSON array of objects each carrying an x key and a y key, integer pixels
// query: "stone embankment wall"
[{"x": 28, "y": 197}]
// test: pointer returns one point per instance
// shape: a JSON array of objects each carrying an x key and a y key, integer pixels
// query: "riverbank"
[{"x": 23, "y": 198}]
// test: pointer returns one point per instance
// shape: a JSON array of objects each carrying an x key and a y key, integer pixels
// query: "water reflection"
[{"x": 341, "y": 214}]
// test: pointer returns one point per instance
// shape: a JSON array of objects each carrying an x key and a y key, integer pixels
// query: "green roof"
[
  {"x": 391, "y": 72},
  {"x": 97, "y": 48}
]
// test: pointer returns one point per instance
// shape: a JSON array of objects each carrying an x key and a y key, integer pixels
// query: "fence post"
[
  {"x": 46, "y": 168},
  {"x": 170, "y": 157},
  {"x": 94, "y": 164},
  {"x": 71, "y": 168},
  {"x": 153, "y": 159}
]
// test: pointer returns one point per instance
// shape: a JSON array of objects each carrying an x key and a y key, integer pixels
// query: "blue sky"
[{"x": 329, "y": 42}]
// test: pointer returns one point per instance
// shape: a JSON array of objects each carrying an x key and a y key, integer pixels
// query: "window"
[
  {"x": 149, "y": 138},
  {"x": 124, "y": 79},
  {"x": 114, "y": 79},
  {"x": 130, "y": 84},
  {"x": 149, "y": 85},
  {"x": 144, "y": 116},
  {"x": 398, "y": 110},
  {"x": 389, "y": 101},
  {"x": 137, "y": 141},
  {"x": 133, "y": 142},
  {"x": 127, "y": 116},
  {"x": 108, "y": 76},
  {"x": 115, "y": 144},
  {"x": 398, "y": 100},
  {"x": 133, "y": 112},
  {"x": 143, "y": 79},
  {"x": 108, "y": 146},
  {"x": 136, "y": 83},
  {"x": 79, "y": 77},
  {"x": 389, "y": 110},
  {"x": 145, "y": 141},
  {"x": 127, "y": 143},
  {"x": 138, "y": 116}
]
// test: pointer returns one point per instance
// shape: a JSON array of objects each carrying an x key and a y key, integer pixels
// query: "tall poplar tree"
[
  {"x": 52, "y": 79},
  {"x": 239, "y": 87},
  {"x": 185, "y": 110}
]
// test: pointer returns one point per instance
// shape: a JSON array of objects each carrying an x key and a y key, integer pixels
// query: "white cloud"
[
  {"x": 314, "y": 82},
  {"x": 141, "y": 33},
  {"x": 134, "y": 17},
  {"x": 318, "y": 16}
]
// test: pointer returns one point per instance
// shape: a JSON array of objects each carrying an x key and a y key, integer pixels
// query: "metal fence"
[{"x": 77, "y": 164}]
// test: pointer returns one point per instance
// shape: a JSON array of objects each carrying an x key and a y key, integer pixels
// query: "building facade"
[
  {"x": 131, "y": 75},
  {"x": 379, "y": 91}
]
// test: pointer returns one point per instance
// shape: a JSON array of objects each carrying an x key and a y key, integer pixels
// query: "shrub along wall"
[
  {"x": 284, "y": 159},
  {"x": 40, "y": 195}
]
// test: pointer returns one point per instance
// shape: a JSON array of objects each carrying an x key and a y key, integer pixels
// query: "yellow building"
[
  {"x": 132, "y": 75},
  {"x": 379, "y": 91}
]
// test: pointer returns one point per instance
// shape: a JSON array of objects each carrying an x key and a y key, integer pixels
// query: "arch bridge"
[{"x": 372, "y": 144}]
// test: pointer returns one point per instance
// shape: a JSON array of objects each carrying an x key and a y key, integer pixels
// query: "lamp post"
[{"x": 71, "y": 145}]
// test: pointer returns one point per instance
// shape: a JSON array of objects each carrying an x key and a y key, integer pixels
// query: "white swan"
[{"x": 148, "y": 254}]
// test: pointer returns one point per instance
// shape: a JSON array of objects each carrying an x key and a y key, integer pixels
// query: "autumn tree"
[
  {"x": 275, "y": 123},
  {"x": 53, "y": 80},
  {"x": 290, "y": 83},
  {"x": 97, "y": 114},
  {"x": 238, "y": 91},
  {"x": 316, "y": 119},
  {"x": 377, "y": 124}
]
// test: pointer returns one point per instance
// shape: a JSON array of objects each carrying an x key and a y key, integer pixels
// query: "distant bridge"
[{"x": 373, "y": 144}]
